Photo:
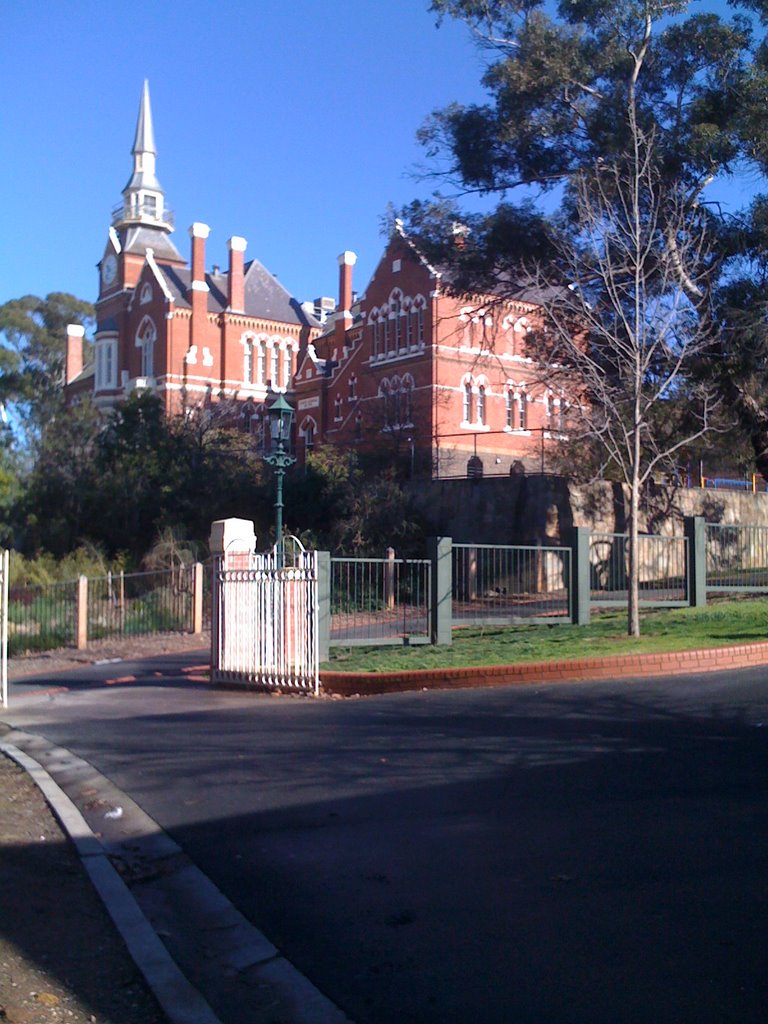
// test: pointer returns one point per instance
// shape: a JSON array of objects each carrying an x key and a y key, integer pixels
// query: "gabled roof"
[
  {"x": 265, "y": 297},
  {"x": 137, "y": 239}
]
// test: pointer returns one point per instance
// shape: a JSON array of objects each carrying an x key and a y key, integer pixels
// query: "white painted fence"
[{"x": 265, "y": 633}]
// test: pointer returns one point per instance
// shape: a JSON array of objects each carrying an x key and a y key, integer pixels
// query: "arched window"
[
  {"x": 248, "y": 360},
  {"x": 395, "y": 309},
  {"x": 468, "y": 404},
  {"x": 307, "y": 431},
  {"x": 145, "y": 339},
  {"x": 523, "y": 409},
  {"x": 274, "y": 364},
  {"x": 353, "y": 388},
  {"x": 416, "y": 324},
  {"x": 550, "y": 410},
  {"x": 385, "y": 394},
  {"x": 481, "y": 405},
  {"x": 337, "y": 408},
  {"x": 146, "y": 293},
  {"x": 287, "y": 366},
  {"x": 407, "y": 405},
  {"x": 510, "y": 409}
]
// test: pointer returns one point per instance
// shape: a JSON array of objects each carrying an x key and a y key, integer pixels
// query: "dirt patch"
[
  {"x": 65, "y": 659},
  {"x": 61, "y": 958}
]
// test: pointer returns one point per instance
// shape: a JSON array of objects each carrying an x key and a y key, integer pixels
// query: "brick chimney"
[
  {"x": 347, "y": 260},
  {"x": 236, "y": 290},
  {"x": 73, "y": 356},
  {"x": 198, "y": 289}
]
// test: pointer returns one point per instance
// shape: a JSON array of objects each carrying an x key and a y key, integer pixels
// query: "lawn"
[{"x": 679, "y": 629}]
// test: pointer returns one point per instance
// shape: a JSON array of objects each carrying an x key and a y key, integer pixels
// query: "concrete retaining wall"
[{"x": 534, "y": 509}]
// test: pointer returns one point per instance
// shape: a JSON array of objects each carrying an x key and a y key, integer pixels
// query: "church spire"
[
  {"x": 145, "y": 136},
  {"x": 143, "y": 196}
]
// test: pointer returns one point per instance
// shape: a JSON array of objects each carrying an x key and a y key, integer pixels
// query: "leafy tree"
[
  {"x": 625, "y": 112},
  {"x": 32, "y": 349}
]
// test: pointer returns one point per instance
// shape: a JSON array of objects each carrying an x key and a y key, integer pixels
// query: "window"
[
  {"x": 146, "y": 293},
  {"x": 510, "y": 410},
  {"x": 274, "y": 367},
  {"x": 307, "y": 431},
  {"x": 408, "y": 399},
  {"x": 150, "y": 205},
  {"x": 481, "y": 405},
  {"x": 248, "y": 361},
  {"x": 145, "y": 339},
  {"x": 550, "y": 411},
  {"x": 562, "y": 417},
  {"x": 261, "y": 362},
  {"x": 287, "y": 366},
  {"x": 337, "y": 408},
  {"x": 385, "y": 340},
  {"x": 358, "y": 427},
  {"x": 385, "y": 395},
  {"x": 353, "y": 389},
  {"x": 523, "y": 410},
  {"x": 467, "y": 411},
  {"x": 106, "y": 370}
]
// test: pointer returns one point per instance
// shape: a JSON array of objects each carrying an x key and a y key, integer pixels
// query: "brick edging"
[{"x": 708, "y": 659}]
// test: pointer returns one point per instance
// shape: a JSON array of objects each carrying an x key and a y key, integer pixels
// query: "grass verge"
[{"x": 678, "y": 629}]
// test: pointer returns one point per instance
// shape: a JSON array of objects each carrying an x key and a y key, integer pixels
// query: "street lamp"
[{"x": 280, "y": 418}]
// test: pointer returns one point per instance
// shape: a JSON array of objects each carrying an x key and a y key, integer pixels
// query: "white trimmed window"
[
  {"x": 481, "y": 405},
  {"x": 145, "y": 340},
  {"x": 106, "y": 364},
  {"x": 467, "y": 403}
]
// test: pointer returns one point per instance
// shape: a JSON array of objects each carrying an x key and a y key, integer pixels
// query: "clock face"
[{"x": 109, "y": 269}]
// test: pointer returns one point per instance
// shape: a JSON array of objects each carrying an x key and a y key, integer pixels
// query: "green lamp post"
[{"x": 280, "y": 414}]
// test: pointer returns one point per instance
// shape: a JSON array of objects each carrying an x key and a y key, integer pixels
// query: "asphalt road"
[{"x": 536, "y": 855}]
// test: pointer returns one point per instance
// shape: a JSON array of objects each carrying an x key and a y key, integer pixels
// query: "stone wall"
[{"x": 539, "y": 509}]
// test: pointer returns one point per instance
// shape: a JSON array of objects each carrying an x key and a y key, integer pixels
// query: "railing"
[
  {"x": 510, "y": 584},
  {"x": 663, "y": 569},
  {"x": 137, "y": 604},
  {"x": 380, "y": 601},
  {"x": 124, "y": 213},
  {"x": 737, "y": 557},
  {"x": 70, "y": 614},
  {"x": 42, "y": 617}
]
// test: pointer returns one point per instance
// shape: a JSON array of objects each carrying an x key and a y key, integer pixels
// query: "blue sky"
[{"x": 291, "y": 123}]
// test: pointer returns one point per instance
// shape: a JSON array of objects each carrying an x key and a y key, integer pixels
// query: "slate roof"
[
  {"x": 265, "y": 297},
  {"x": 140, "y": 238}
]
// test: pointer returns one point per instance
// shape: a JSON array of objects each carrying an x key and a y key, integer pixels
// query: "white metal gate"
[
  {"x": 265, "y": 628},
  {"x": 4, "y": 564}
]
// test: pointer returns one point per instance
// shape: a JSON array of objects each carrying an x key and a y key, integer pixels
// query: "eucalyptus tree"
[{"x": 605, "y": 127}]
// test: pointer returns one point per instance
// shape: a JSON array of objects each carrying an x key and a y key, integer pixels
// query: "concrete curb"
[
  {"x": 180, "y": 1001},
  {"x": 710, "y": 659}
]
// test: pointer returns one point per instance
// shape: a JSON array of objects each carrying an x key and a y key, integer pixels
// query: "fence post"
[
  {"x": 695, "y": 529},
  {"x": 440, "y": 553},
  {"x": 581, "y": 591},
  {"x": 197, "y": 598},
  {"x": 323, "y": 604},
  {"x": 81, "y": 626},
  {"x": 389, "y": 579}
]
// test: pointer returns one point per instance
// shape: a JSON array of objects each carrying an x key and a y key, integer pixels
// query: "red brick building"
[
  {"x": 408, "y": 368},
  {"x": 174, "y": 328},
  {"x": 404, "y": 369}
]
